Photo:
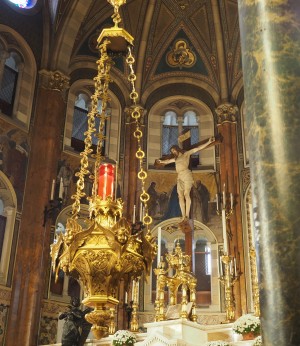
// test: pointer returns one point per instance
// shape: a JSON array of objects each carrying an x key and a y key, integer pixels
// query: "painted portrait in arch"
[{"x": 164, "y": 204}]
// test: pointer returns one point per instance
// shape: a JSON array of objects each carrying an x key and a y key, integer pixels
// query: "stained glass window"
[{"x": 24, "y": 3}]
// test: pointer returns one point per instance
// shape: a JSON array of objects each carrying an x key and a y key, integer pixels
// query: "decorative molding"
[
  {"x": 245, "y": 179},
  {"x": 183, "y": 4},
  {"x": 226, "y": 112},
  {"x": 52, "y": 308},
  {"x": 181, "y": 55},
  {"x": 5, "y": 294},
  {"x": 54, "y": 80}
]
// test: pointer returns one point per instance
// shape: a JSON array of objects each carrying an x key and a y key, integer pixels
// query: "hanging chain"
[
  {"x": 102, "y": 81},
  {"x": 116, "y": 16},
  {"x": 138, "y": 134}
]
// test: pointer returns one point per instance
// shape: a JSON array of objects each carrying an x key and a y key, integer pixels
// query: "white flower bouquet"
[
  {"x": 257, "y": 341},
  {"x": 217, "y": 343},
  {"x": 247, "y": 324},
  {"x": 124, "y": 337}
]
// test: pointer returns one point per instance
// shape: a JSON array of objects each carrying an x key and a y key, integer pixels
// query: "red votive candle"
[{"x": 106, "y": 180}]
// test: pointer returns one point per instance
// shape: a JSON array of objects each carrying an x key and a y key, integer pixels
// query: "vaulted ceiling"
[{"x": 206, "y": 30}]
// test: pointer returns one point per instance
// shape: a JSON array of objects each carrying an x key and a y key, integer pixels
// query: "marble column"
[
  {"x": 270, "y": 38},
  {"x": 33, "y": 247},
  {"x": 229, "y": 178}
]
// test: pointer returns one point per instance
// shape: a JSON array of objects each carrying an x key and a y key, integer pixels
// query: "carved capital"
[
  {"x": 226, "y": 113},
  {"x": 54, "y": 80},
  {"x": 142, "y": 111}
]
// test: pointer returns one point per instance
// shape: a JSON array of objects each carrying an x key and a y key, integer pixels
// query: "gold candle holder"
[
  {"x": 134, "y": 325},
  {"x": 228, "y": 279},
  {"x": 161, "y": 273}
]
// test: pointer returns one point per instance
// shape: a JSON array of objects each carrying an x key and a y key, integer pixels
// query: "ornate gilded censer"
[{"x": 105, "y": 251}]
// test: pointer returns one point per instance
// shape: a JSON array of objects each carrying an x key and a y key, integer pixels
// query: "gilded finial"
[{"x": 116, "y": 16}]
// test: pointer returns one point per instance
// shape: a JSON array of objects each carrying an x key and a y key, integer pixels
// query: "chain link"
[
  {"x": 101, "y": 82},
  {"x": 138, "y": 134}
]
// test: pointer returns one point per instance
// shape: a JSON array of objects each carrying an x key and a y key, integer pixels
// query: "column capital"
[
  {"x": 54, "y": 80},
  {"x": 226, "y": 112}
]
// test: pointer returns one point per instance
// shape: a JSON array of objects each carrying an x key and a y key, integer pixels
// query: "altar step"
[{"x": 179, "y": 332}]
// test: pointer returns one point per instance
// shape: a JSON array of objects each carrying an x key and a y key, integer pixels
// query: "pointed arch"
[{"x": 7, "y": 226}]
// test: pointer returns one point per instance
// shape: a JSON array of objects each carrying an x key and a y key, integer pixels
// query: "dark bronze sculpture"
[{"x": 76, "y": 329}]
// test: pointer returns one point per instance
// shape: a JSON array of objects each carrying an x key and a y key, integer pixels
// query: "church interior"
[{"x": 88, "y": 208}]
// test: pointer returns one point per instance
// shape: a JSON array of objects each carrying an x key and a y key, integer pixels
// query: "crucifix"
[{"x": 181, "y": 156}]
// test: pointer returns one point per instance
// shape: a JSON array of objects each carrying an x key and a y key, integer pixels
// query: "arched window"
[
  {"x": 203, "y": 272},
  {"x": 80, "y": 124},
  {"x": 168, "y": 118},
  {"x": 17, "y": 77},
  {"x": 190, "y": 123},
  {"x": 169, "y": 132},
  {"x": 9, "y": 83}
]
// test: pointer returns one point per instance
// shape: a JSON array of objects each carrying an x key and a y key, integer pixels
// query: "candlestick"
[
  {"x": 116, "y": 180},
  {"x": 141, "y": 212},
  {"x": 220, "y": 267},
  {"x": 224, "y": 197},
  {"x": 133, "y": 289},
  {"x": 158, "y": 245},
  {"x": 224, "y": 230},
  {"x": 231, "y": 201},
  {"x": 52, "y": 190},
  {"x": 133, "y": 216},
  {"x": 217, "y": 199},
  {"x": 61, "y": 188},
  {"x": 234, "y": 264},
  {"x": 231, "y": 268},
  {"x": 126, "y": 297}
]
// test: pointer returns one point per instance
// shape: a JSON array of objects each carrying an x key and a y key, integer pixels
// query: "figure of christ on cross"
[{"x": 185, "y": 181}]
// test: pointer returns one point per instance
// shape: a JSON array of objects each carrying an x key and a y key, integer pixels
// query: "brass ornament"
[{"x": 105, "y": 251}]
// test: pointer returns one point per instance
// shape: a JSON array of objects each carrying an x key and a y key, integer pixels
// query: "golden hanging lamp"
[{"x": 105, "y": 251}]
